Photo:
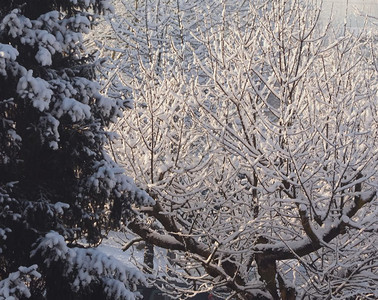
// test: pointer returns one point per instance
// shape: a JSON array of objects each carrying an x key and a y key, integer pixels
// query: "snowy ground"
[
  {"x": 113, "y": 244},
  {"x": 354, "y": 11}
]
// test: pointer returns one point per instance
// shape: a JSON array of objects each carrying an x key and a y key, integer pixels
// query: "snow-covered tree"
[
  {"x": 261, "y": 154},
  {"x": 142, "y": 34},
  {"x": 59, "y": 189}
]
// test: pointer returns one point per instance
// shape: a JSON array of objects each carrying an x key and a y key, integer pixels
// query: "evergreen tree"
[{"x": 59, "y": 190}]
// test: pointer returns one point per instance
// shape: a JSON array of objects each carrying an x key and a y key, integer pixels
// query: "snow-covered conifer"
[{"x": 59, "y": 190}]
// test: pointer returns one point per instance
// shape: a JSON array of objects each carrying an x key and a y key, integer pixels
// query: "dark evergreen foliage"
[{"x": 55, "y": 175}]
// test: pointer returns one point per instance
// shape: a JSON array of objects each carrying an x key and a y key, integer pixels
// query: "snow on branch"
[
  {"x": 16, "y": 285},
  {"x": 255, "y": 132},
  {"x": 85, "y": 266},
  {"x": 7, "y": 53}
]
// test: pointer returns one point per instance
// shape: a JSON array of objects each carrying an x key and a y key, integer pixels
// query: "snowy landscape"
[{"x": 199, "y": 149}]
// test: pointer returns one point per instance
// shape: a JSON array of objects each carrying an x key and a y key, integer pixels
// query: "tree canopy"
[
  {"x": 59, "y": 189},
  {"x": 252, "y": 134},
  {"x": 256, "y": 134}
]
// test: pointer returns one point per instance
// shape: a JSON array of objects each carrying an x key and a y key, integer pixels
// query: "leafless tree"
[{"x": 261, "y": 152}]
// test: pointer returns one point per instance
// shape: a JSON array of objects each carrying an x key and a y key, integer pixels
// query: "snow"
[
  {"x": 302, "y": 207},
  {"x": 14, "y": 136},
  {"x": 36, "y": 89},
  {"x": 3, "y": 235},
  {"x": 52, "y": 132},
  {"x": 75, "y": 109},
  {"x": 91, "y": 264},
  {"x": 50, "y": 97},
  {"x": 43, "y": 56},
  {"x": 110, "y": 175},
  {"x": 112, "y": 246},
  {"x": 15, "y": 23},
  {"x": 60, "y": 206},
  {"x": 301, "y": 149},
  {"x": 16, "y": 285},
  {"x": 7, "y": 53}
]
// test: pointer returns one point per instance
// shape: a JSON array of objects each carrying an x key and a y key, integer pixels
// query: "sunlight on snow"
[{"x": 355, "y": 10}]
